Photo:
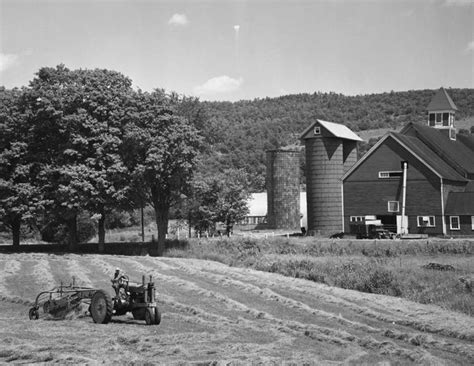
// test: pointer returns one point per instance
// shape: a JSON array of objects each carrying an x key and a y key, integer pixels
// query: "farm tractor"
[{"x": 139, "y": 299}]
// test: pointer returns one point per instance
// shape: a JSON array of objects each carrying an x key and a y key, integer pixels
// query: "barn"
[{"x": 419, "y": 180}]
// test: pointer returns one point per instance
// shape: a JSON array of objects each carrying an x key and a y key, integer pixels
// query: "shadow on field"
[{"x": 119, "y": 248}]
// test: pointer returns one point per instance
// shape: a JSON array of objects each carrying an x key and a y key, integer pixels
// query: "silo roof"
[{"x": 336, "y": 129}]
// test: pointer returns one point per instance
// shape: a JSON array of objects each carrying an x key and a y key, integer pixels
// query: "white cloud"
[
  {"x": 470, "y": 46},
  {"x": 408, "y": 13},
  {"x": 7, "y": 60},
  {"x": 458, "y": 2},
  {"x": 218, "y": 85},
  {"x": 178, "y": 20}
]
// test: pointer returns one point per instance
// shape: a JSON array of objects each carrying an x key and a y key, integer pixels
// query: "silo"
[
  {"x": 349, "y": 154},
  {"x": 331, "y": 149},
  {"x": 283, "y": 189}
]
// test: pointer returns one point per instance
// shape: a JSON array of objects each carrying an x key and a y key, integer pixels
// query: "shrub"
[{"x": 389, "y": 267}]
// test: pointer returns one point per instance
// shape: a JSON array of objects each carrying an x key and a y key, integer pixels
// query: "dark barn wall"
[
  {"x": 366, "y": 194},
  {"x": 465, "y": 227},
  {"x": 283, "y": 189},
  {"x": 324, "y": 170}
]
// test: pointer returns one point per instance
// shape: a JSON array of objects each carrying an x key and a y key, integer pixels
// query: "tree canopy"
[
  {"x": 76, "y": 130},
  {"x": 83, "y": 141},
  {"x": 20, "y": 197},
  {"x": 161, "y": 150},
  {"x": 242, "y": 131},
  {"x": 219, "y": 198}
]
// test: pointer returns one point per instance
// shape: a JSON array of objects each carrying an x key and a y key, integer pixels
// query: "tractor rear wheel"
[{"x": 101, "y": 307}]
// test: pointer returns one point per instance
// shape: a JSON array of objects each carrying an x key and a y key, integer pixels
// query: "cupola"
[{"x": 441, "y": 111}]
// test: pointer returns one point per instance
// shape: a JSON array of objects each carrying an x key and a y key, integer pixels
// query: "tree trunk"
[
  {"x": 16, "y": 226},
  {"x": 229, "y": 225},
  {"x": 161, "y": 205},
  {"x": 73, "y": 234},
  {"x": 101, "y": 229},
  {"x": 189, "y": 225},
  {"x": 161, "y": 215}
]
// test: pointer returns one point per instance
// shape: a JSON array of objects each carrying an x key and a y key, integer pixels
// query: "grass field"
[
  {"x": 214, "y": 314},
  {"x": 389, "y": 267}
]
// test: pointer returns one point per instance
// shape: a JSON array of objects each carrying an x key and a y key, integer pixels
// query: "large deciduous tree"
[
  {"x": 76, "y": 135},
  {"x": 221, "y": 197},
  {"x": 20, "y": 198},
  {"x": 161, "y": 150}
]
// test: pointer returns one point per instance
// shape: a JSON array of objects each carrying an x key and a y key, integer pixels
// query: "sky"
[{"x": 241, "y": 49}]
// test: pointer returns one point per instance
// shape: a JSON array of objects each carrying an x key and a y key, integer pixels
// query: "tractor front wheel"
[
  {"x": 150, "y": 316},
  {"x": 101, "y": 307},
  {"x": 157, "y": 316}
]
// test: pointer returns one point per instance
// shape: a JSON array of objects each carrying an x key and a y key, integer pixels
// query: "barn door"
[{"x": 399, "y": 224}]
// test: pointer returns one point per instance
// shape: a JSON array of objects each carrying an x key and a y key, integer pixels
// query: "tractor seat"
[{"x": 136, "y": 287}]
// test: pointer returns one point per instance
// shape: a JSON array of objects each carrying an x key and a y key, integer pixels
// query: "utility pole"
[
  {"x": 143, "y": 224},
  {"x": 404, "y": 197}
]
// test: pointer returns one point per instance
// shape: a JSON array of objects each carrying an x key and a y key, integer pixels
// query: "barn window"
[
  {"x": 432, "y": 119},
  {"x": 445, "y": 119},
  {"x": 358, "y": 218},
  {"x": 390, "y": 174},
  {"x": 425, "y": 221},
  {"x": 438, "y": 118},
  {"x": 393, "y": 206},
  {"x": 454, "y": 223},
  {"x": 317, "y": 130}
]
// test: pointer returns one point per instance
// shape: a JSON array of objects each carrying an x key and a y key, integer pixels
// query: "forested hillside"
[{"x": 239, "y": 133}]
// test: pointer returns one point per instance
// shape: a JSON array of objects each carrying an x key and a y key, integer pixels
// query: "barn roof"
[
  {"x": 469, "y": 187},
  {"x": 460, "y": 203},
  {"x": 466, "y": 140},
  {"x": 335, "y": 129},
  {"x": 455, "y": 153},
  {"x": 428, "y": 156},
  {"x": 441, "y": 102},
  {"x": 420, "y": 151}
]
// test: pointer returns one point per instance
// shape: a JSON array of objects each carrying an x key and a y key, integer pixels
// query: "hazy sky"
[{"x": 237, "y": 49}]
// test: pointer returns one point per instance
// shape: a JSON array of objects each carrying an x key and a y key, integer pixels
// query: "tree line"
[
  {"x": 78, "y": 148},
  {"x": 242, "y": 131},
  {"x": 84, "y": 141}
]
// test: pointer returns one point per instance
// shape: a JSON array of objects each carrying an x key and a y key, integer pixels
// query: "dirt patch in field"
[{"x": 215, "y": 314}]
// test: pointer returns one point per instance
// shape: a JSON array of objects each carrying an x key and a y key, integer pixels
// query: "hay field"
[{"x": 213, "y": 314}]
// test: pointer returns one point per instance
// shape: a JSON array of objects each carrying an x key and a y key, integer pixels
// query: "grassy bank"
[{"x": 389, "y": 267}]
